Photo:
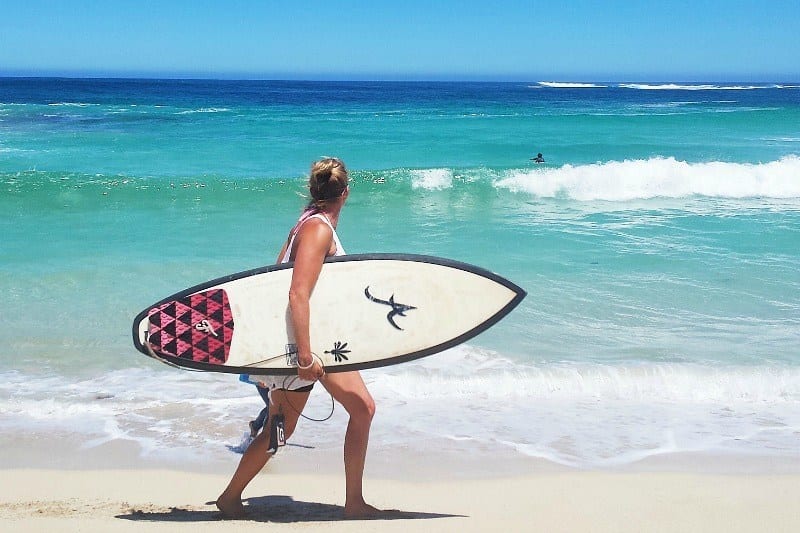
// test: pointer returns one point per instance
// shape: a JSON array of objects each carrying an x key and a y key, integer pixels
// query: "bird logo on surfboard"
[{"x": 397, "y": 309}]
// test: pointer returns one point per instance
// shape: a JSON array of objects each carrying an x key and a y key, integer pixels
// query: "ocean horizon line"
[{"x": 193, "y": 76}]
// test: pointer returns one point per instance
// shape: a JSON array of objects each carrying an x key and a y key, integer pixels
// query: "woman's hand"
[{"x": 311, "y": 371}]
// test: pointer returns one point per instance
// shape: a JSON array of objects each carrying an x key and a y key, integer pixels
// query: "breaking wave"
[
  {"x": 693, "y": 87},
  {"x": 659, "y": 177},
  {"x": 570, "y": 85}
]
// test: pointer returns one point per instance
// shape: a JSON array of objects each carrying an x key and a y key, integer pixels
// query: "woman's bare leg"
[
  {"x": 349, "y": 389},
  {"x": 256, "y": 455}
]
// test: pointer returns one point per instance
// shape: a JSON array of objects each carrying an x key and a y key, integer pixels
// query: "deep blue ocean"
[{"x": 659, "y": 244}]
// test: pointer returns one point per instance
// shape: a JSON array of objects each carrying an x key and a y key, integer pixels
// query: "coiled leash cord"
[{"x": 298, "y": 411}]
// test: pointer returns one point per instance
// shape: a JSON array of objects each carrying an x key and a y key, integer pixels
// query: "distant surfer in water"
[
  {"x": 311, "y": 240},
  {"x": 538, "y": 158}
]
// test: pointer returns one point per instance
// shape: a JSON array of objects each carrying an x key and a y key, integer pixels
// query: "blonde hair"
[{"x": 328, "y": 181}]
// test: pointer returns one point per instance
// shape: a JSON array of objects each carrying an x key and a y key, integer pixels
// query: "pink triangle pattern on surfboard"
[{"x": 198, "y": 327}]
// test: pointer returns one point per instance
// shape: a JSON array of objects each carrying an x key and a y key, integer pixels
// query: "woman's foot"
[
  {"x": 253, "y": 429},
  {"x": 361, "y": 510},
  {"x": 231, "y": 508}
]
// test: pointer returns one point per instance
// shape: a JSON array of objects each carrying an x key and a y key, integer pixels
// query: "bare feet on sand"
[{"x": 233, "y": 509}]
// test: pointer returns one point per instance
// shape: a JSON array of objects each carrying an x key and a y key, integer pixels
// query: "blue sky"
[{"x": 708, "y": 40}]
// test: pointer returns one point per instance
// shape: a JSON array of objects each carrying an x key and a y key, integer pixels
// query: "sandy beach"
[
  {"x": 158, "y": 500},
  {"x": 656, "y": 497}
]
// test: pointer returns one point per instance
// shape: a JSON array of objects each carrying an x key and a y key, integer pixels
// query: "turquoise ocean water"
[{"x": 659, "y": 245}]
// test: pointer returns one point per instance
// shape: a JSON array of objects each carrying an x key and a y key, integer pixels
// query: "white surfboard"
[{"x": 366, "y": 311}]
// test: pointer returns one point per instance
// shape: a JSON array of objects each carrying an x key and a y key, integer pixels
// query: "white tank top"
[{"x": 303, "y": 219}]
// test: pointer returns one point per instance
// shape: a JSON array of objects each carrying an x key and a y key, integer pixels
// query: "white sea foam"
[
  {"x": 659, "y": 178},
  {"x": 432, "y": 178},
  {"x": 692, "y": 87},
  {"x": 587, "y": 414},
  {"x": 593, "y": 414},
  {"x": 465, "y": 372},
  {"x": 203, "y": 110},
  {"x": 570, "y": 85},
  {"x": 782, "y": 139},
  {"x": 669, "y": 104}
]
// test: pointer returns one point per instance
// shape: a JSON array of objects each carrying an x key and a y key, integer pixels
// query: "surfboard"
[{"x": 367, "y": 311}]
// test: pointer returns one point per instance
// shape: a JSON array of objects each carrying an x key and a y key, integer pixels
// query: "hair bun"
[{"x": 328, "y": 180}]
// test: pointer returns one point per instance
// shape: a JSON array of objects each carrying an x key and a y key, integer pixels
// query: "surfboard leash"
[
  {"x": 298, "y": 411},
  {"x": 286, "y": 386}
]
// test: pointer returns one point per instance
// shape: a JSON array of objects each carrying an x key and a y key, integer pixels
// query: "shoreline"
[{"x": 391, "y": 462}]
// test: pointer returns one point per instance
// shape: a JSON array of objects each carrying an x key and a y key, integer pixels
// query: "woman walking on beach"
[{"x": 311, "y": 240}]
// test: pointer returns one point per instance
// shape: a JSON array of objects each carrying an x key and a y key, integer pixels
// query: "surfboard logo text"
[
  {"x": 205, "y": 327},
  {"x": 397, "y": 309}
]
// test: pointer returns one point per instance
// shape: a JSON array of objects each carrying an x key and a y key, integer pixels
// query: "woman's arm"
[{"x": 312, "y": 244}]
